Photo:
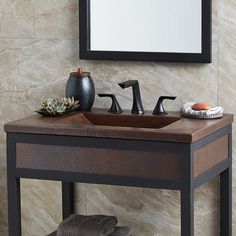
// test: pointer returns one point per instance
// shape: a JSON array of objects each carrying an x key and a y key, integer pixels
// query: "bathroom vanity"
[{"x": 167, "y": 152}]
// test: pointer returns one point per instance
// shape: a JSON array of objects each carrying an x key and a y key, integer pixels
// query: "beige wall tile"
[
  {"x": 215, "y": 20},
  {"x": 41, "y": 206},
  {"x": 191, "y": 82},
  {"x": 147, "y": 211},
  {"x": 29, "y": 19},
  {"x": 32, "y": 70},
  {"x": 227, "y": 55},
  {"x": 3, "y": 202},
  {"x": 38, "y": 49},
  {"x": 81, "y": 199}
]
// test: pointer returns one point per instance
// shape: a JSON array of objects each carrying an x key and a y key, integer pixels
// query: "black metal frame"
[
  {"x": 186, "y": 185},
  {"x": 204, "y": 57}
]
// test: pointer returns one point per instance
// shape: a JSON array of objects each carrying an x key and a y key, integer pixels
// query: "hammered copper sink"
[{"x": 124, "y": 120}]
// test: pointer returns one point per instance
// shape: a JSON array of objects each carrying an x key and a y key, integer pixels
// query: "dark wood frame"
[
  {"x": 186, "y": 185},
  {"x": 204, "y": 57}
]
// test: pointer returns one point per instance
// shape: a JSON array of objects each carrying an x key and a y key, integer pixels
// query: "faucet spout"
[
  {"x": 129, "y": 83},
  {"x": 137, "y": 102}
]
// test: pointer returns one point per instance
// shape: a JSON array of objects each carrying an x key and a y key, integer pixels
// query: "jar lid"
[{"x": 79, "y": 73}]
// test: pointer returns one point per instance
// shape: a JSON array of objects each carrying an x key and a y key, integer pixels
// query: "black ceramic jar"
[{"x": 80, "y": 86}]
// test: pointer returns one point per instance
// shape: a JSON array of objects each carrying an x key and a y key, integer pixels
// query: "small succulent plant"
[
  {"x": 55, "y": 107},
  {"x": 70, "y": 103}
]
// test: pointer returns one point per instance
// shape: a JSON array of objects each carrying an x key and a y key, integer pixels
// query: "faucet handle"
[
  {"x": 115, "y": 106},
  {"x": 159, "y": 109}
]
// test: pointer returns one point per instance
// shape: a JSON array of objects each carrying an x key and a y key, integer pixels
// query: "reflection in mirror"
[{"x": 146, "y": 26}]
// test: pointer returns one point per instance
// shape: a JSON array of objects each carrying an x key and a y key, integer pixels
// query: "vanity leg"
[
  {"x": 13, "y": 190},
  {"x": 226, "y": 203},
  {"x": 187, "y": 212},
  {"x": 67, "y": 199},
  {"x": 14, "y": 207}
]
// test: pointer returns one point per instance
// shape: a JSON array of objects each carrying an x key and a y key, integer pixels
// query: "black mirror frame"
[{"x": 204, "y": 57}]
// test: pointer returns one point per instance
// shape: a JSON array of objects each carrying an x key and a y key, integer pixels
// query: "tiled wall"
[{"x": 38, "y": 49}]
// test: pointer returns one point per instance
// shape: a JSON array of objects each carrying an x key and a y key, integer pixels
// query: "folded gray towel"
[
  {"x": 52, "y": 234},
  {"x": 96, "y": 225},
  {"x": 121, "y": 231}
]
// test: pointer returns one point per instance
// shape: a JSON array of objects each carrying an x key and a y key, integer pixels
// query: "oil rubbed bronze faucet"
[
  {"x": 137, "y": 102},
  {"x": 115, "y": 106},
  {"x": 159, "y": 109}
]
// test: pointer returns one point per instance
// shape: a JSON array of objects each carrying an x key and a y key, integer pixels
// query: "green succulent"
[
  {"x": 58, "y": 106},
  {"x": 70, "y": 103}
]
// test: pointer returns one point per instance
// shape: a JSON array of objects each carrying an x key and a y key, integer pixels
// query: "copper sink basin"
[{"x": 123, "y": 120}]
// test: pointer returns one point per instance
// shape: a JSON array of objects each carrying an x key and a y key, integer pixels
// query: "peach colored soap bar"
[{"x": 201, "y": 106}]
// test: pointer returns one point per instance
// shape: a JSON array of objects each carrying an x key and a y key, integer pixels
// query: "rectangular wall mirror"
[{"x": 146, "y": 30}]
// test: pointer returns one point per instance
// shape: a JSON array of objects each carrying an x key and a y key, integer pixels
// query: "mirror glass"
[{"x": 172, "y": 26}]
